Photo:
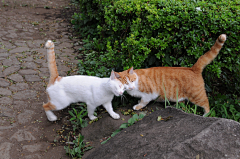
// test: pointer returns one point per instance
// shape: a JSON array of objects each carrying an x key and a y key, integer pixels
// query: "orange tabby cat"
[{"x": 187, "y": 83}]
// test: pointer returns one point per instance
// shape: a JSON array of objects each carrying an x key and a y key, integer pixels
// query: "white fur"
[
  {"x": 93, "y": 91},
  {"x": 132, "y": 89}
]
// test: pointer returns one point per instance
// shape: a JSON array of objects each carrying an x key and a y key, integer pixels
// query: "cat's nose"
[{"x": 121, "y": 93}]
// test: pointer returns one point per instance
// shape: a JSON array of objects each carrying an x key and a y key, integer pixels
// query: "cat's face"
[
  {"x": 116, "y": 85},
  {"x": 128, "y": 79}
]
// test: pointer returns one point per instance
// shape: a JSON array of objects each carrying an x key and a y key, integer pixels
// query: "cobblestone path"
[{"x": 25, "y": 25}]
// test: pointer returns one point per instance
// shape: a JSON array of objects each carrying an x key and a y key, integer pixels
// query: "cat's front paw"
[
  {"x": 115, "y": 116},
  {"x": 137, "y": 107},
  {"x": 92, "y": 117}
]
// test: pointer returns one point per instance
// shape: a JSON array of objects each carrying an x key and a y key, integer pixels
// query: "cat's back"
[
  {"x": 171, "y": 72},
  {"x": 82, "y": 80},
  {"x": 78, "y": 82},
  {"x": 152, "y": 79}
]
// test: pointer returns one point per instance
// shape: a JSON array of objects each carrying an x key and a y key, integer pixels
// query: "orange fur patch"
[{"x": 49, "y": 106}]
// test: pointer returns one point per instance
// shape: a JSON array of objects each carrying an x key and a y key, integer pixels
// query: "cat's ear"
[
  {"x": 117, "y": 75},
  {"x": 114, "y": 75},
  {"x": 130, "y": 70}
]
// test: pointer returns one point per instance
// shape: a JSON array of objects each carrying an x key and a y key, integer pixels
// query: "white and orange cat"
[
  {"x": 187, "y": 83},
  {"x": 94, "y": 91}
]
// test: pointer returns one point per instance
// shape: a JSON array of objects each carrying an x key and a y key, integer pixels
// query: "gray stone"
[
  {"x": 21, "y": 44},
  {"x": 5, "y": 150},
  {"x": 64, "y": 45},
  {"x": 35, "y": 156},
  {"x": 11, "y": 61},
  {"x": 2, "y": 58},
  {"x": 4, "y": 83},
  {"x": 20, "y": 104},
  {"x": 5, "y": 92},
  {"x": 32, "y": 78},
  {"x": 26, "y": 94},
  {"x": 182, "y": 136},
  {"x": 38, "y": 43},
  {"x": 0, "y": 135},
  {"x": 2, "y": 50},
  {"x": 30, "y": 44},
  {"x": 19, "y": 50},
  {"x": 26, "y": 36},
  {"x": 7, "y": 111},
  {"x": 6, "y": 100},
  {"x": 2, "y": 74},
  {"x": 63, "y": 68},
  {"x": 30, "y": 65},
  {"x": 4, "y": 54},
  {"x": 67, "y": 52},
  {"x": 40, "y": 61},
  {"x": 28, "y": 59},
  {"x": 19, "y": 86},
  {"x": 16, "y": 77},
  {"x": 23, "y": 135},
  {"x": 12, "y": 35},
  {"x": 32, "y": 148},
  {"x": 45, "y": 64},
  {"x": 44, "y": 70},
  {"x": 62, "y": 73},
  {"x": 43, "y": 51},
  {"x": 8, "y": 45},
  {"x": 25, "y": 116},
  {"x": 11, "y": 69},
  {"x": 28, "y": 72}
]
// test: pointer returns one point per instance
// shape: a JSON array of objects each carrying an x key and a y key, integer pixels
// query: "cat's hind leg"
[
  {"x": 48, "y": 107},
  {"x": 202, "y": 101},
  {"x": 108, "y": 107}
]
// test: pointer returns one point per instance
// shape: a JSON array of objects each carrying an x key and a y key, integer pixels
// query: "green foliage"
[
  {"x": 144, "y": 33},
  {"x": 225, "y": 106},
  {"x": 78, "y": 147},
  {"x": 77, "y": 118},
  {"x": 130, "y": 122}
]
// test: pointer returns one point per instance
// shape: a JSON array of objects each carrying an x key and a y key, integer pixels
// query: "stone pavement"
[{"x": 25, "y": 25}]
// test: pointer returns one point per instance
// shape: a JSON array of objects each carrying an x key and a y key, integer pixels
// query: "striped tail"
[
  {"x": 208, "y": 57},
  {"x": 51, "y": 62}
]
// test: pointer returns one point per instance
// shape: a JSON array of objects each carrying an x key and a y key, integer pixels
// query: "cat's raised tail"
[
  {"x": 209, "y": 56},
  {"x": 49, "y": 45}
]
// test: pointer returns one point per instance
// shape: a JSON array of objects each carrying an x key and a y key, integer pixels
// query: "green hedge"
[{"x": 144, "y": 33}]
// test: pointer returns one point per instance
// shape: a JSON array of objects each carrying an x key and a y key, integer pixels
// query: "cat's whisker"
[{"x": 122, "y": 98}]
